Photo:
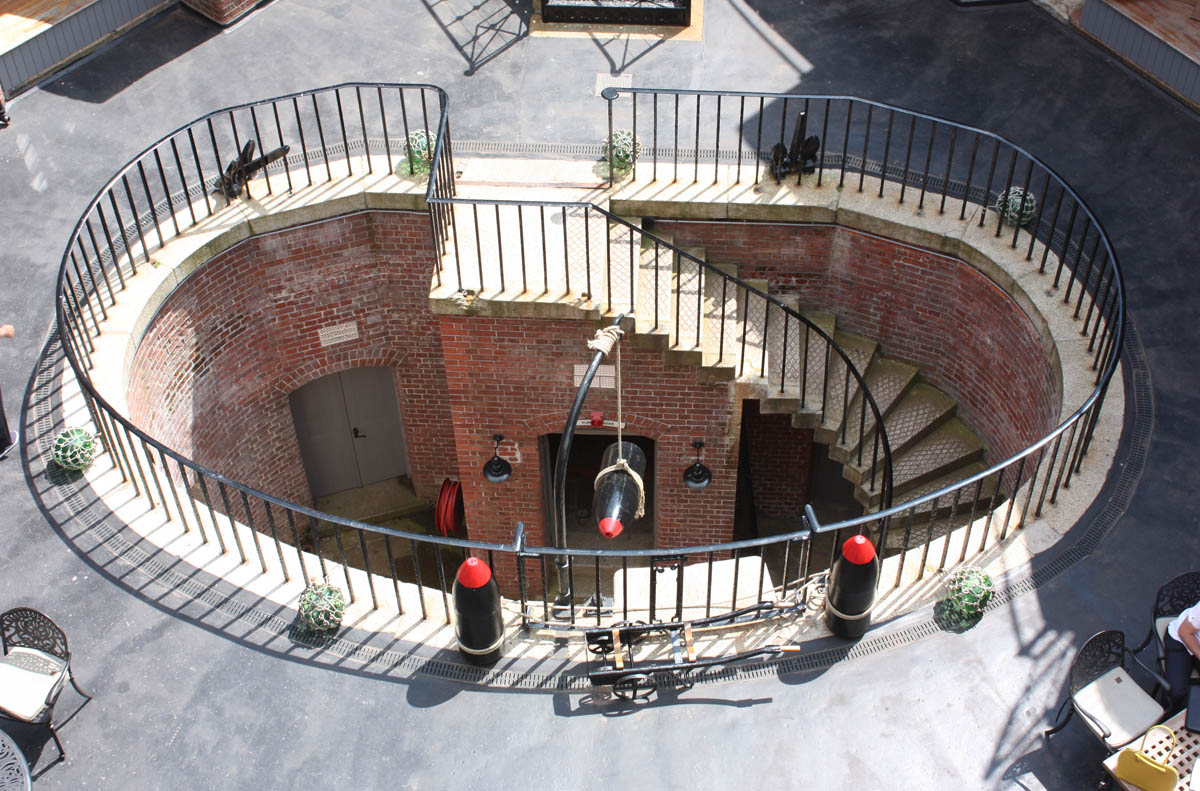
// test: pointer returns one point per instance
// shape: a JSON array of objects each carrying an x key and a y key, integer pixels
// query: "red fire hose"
[{"x": 447, "y": 514}]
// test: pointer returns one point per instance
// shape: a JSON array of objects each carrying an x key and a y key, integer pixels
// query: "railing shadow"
[
  {"x": 622, "y": 50},
  {"x": 481, "y": 30}
]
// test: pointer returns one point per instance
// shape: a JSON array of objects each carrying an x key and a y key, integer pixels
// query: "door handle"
[{"x": 358, "y": 434}]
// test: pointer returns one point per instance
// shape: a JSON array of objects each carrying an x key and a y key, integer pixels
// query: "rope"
[
  {"x": 604, "y": 341},
  {"x": 621, "y": 464}
]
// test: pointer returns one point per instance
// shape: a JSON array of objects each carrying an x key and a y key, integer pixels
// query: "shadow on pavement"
[{"x": 133, "y": 56}]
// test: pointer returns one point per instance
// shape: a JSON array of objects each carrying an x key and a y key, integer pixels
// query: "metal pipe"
[{"x": 562, "y": 563}]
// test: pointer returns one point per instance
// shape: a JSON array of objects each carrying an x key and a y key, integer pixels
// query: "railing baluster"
[
  {"x": 717, "y": 153},
  {"x": 237, "y": 539},
  {"x": 949, "y": 162},
  {"x": 987, "y": 190},
  {"x": 846, "y": 142},
  {"x": 337, "y": 95},
  {"x": 262, "y": 562},
  {"x": 962, "y": 213},
  {"x": 167, "y": 192},
  {"x": 862, "y": 165},
  {"x": 912, "y": 130},
  {"x": 1021, "y": 209},
  {"x": 933, "y": 127},
  {"x": 1053, "y": 228}
]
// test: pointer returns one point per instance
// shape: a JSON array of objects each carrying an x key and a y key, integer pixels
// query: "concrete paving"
[{"x": 187, "y": 696}]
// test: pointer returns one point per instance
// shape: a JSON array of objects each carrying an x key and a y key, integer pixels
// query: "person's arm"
[{"x": 6, "y": 330}]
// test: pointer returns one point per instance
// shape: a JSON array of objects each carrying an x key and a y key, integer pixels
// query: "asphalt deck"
[{"x": 186, "y": 697}]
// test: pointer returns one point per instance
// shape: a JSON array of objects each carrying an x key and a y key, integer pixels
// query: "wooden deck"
[
  {"x": 21, "y": 20},
  {"x": 1175, "y": 22}
]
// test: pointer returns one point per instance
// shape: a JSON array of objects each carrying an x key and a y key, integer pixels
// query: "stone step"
[
  {"x": 921, "y": 410},
  {"x": 785, "y": 336},
  {"x": 803, "y": 367},
  {"x": 720, "y": 322},
  {"x": 652, "y": 314},
  {"x": 840, "y": 387},
  {"x": 887, "y": 380},
  {"x": 948, "y": 448},
  {"x": 748, "y": 340},
  {"x": 977, "y": 498},
  {"x": 622, "y": 258},
  {"x": 684, "y": 343}
]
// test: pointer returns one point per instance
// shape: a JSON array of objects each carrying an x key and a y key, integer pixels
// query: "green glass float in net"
[
  {"x": 1016, "y": 205},
  {"x": 419, "y": 147},
  {"x": 74, "y": 449},
  {"x": 322, "y": 607},
  {"x": 969, "y": 591}
]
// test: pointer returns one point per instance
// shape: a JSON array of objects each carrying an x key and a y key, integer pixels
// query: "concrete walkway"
[{"x": 188, "y": 696}]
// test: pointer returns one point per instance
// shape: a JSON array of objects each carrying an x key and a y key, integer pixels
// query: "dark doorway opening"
[
  {"x": 583, "y": 464},
  {"x": 831, "y": 495}
]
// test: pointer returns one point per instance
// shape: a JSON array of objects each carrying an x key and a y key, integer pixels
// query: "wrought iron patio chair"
[
  {"x": 1175, "y": 596},
  {"x": 34, "y": 668},
  {"x": 1113, "y": 706}
]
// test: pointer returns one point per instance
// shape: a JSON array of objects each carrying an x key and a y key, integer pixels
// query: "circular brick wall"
[{"x": 213, "y": 371}]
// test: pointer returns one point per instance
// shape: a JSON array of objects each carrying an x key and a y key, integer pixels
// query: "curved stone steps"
[
  {"x": 699, "y": 319},
  {"x": 921, "y": 410},
  {"x": 888, "y": 380},
  {"x": 841, "y": 388},
  {"x": 948, "y": 448}
]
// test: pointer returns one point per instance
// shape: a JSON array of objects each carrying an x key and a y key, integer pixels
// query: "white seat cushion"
[
  {"x": 1116, "y": 700},
  {"x": 27, "y": 677}
]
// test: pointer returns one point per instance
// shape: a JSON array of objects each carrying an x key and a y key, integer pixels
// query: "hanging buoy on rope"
[{"x": 619, "y": 493}]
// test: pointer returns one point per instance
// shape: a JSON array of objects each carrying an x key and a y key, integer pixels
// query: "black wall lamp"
[
  {"x": 697, "y": 476},
  {"x": 497, "y": 470}
]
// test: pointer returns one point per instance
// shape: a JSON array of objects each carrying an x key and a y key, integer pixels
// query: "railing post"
[{"x": 610, "y": 95}]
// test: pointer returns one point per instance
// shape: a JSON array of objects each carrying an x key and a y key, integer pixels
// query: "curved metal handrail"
[{"x": 77, "y": 293}]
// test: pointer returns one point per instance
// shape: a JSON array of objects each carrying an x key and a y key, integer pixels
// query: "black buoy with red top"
[
  {"x": 618, "y": 495},
  {"x": 850, "y": 595},
  {"x": 479, "y": 625}
]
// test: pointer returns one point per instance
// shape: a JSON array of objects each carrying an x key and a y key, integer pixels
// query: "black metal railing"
[
  {"x": 350, "y": 132},
  {"x": 930, "y": 160},
  {"x": 595, "y": 260}
]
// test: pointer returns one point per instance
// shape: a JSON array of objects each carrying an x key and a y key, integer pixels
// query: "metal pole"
[{"x": 562, "y": 562}]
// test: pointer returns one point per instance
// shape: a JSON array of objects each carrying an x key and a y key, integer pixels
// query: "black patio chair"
[
  {"x": 1175, "y": 596},
  {"x": 34, "y": 668},
  {"x": 1113, "y": 706}
]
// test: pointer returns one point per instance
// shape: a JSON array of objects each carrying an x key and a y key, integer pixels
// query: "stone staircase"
[
  {"x": 703, "y": 322},
  {"x": 699, "y": 318}
]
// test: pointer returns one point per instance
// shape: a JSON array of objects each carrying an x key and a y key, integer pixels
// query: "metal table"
[
  {"x": 1183, "y": 758},
  {"x": 14, "y": 770}
]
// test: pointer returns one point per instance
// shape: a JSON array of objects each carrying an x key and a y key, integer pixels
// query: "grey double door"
[{"x": 349, "y": 430}]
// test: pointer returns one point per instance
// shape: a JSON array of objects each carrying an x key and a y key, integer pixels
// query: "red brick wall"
[
  {"x": 212, "y": 375},
  {"x": 515, "y": 377},
  {"x": 223, "y": 12},
  {"x": 780, "y": 458},
  {"x": 964, "y": 332}
]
